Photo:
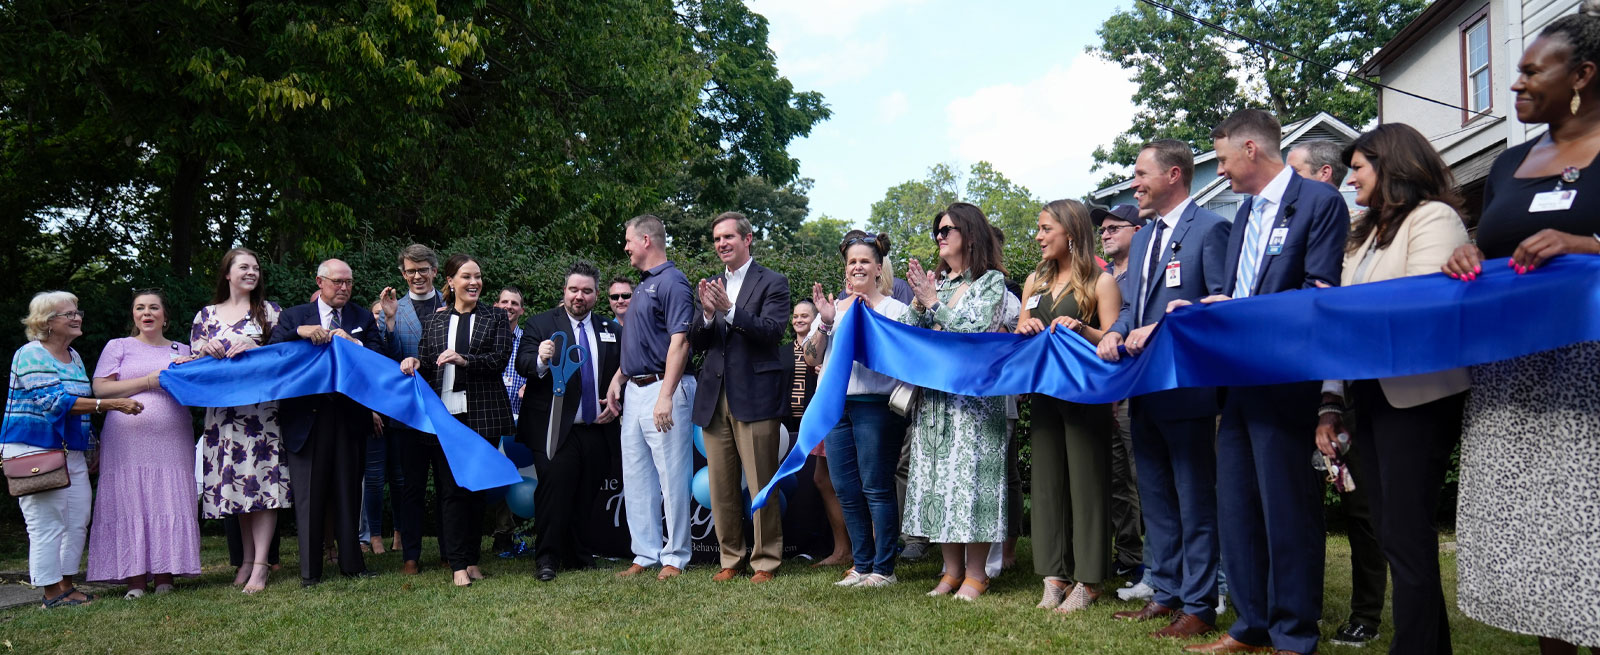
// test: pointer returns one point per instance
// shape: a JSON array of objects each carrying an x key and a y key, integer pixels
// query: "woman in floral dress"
[
  {"x": 956, "y": 490},
  {"x": 243, "y": 468}
]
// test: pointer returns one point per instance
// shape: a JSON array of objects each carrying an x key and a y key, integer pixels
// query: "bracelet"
[
  {"x": 97, "y": 405},
  {"x": 824, "y": 328},
  {"x": 1330, "y": 408}
]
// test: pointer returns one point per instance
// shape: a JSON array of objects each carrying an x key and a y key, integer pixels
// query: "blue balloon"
[
  {"x": 521, "y": 456},
  {"x": 699, "y": 443},
  {"x": 519, "y": 497},
  {"x": 700, "y": 487}
]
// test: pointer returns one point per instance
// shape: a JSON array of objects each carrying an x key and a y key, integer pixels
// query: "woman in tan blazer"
[{"x": 1411, "y": 424}]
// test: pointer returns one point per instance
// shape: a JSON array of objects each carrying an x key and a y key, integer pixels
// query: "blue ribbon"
[
  {"x": 1397, "y": 327},
  {"x": 300, "y": 368}
]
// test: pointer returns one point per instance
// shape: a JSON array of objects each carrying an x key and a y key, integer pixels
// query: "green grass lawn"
[{"x": 592, "y": 612}]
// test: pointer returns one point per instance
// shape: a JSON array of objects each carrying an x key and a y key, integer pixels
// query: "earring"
[
  {"x": 1070, "y": 248},
  {"x": 1576, "y": 101}
]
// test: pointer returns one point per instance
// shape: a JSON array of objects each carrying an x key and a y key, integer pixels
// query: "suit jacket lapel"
[
  {"x": 1285, "y": 210},
  {"x": 748, "y": 287}
]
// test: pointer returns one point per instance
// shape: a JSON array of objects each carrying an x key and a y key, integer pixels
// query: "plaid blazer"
[{"x": 488, "y": 409}]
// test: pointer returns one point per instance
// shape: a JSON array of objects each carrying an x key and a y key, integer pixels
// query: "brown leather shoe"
[
  {"x": 762, "y": 576},
  {"x": 410, "y": 567},
  {"x": 631, "y": 571},
  {"x": 1184, "y": 626},
  {"x": 725, "y": 575},
  {"x": 1151, "y": 610},
  {"x": 669, "y": 572},
  {"x": 1227, "y": 644}
]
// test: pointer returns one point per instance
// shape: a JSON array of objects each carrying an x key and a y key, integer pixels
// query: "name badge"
[
  {"x": 1275, "y": 241},
  {"x": 1174, "y": 275},
  {"x": 608, "y": 337},
  {"x": 1553, "y": 201},
  {"x": 1033, "y": 302}
]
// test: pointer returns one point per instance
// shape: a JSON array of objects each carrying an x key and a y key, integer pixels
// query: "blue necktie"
[
  {"x": 587, "y": 409},
  {"x": 1250, "y": 256},
  {"x": 1153, "y": 253}
]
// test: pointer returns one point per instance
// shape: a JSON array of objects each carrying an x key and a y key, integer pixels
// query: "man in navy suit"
[
  {"x": 325, "y": 435},
  {"x": 742, "y": 395},
  {"x": 574, "y": 460},
  {"x": 1289, "y": 234},
  {"x": 1180, "y": 255}
]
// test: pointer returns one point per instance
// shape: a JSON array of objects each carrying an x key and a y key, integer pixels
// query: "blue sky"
[{"x": 913, "y": 83}]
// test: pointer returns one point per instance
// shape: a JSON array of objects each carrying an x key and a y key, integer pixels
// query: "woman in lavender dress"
[
  {"x": 243, "y": 469},
  {"x": 145, "y": 520}
]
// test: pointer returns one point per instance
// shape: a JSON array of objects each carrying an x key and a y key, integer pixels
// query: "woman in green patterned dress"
[{"x": 956, "y": 489}]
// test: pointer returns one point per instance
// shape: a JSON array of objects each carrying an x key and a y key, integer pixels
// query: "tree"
[
  {"x": 820, "y": 236},
  {"x": 1190, "y": 77},
  {"x": 775, "y": 212},
  {"x": 907, "y": 209}
]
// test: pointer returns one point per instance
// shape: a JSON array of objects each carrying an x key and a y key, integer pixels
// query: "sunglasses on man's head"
[{"x": 621, "y": 296}]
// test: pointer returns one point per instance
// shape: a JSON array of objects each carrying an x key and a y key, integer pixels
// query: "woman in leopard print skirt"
[{"x": 1528, "y": 525}]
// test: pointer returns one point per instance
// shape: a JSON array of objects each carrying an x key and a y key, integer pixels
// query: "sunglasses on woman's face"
[
  {"x": 943, "y": 233},
  {"x": 621, "y": 296}
]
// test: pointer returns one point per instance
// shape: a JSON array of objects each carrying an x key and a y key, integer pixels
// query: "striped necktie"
[{"x": 1250, "y": 256}]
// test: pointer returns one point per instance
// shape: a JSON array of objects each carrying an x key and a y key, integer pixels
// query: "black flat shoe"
[{"x": 547, "y": 573}]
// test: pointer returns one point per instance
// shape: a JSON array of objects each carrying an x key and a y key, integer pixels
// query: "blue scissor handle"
[{"x": 562, "y": 366}]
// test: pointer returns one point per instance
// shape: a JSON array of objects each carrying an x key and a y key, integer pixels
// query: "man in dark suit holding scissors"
[
  {"x": 1180, "y": 255},
  {"x": 741, "y": 398},
  {"x": 565, "y": 354},
  {"x": 1289, "y": 234},
  {"x": 325, "y": 434}
]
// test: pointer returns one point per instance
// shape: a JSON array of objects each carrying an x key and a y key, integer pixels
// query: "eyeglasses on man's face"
[
  {"x": 1108, "y": 230},
  {"x": 621, "y": 296},
  {"x": 346, "y": 282}
]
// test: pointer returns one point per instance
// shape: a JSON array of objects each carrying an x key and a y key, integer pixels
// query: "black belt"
[{"x": 643, "y": 380}]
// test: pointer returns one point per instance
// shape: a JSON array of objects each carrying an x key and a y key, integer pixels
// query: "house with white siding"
[{"x": 1465, "y": 53}]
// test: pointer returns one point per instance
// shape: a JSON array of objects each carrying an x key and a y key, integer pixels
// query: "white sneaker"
[
  {"x": 1222, "y": 604},
  {"x": 1139, "y": 591},
  {"x": 851, "y": 579},
  {"x": 877, "y": 580}
]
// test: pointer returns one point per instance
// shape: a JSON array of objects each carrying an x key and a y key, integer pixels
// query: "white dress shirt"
[{"x": 455, "y": 401}]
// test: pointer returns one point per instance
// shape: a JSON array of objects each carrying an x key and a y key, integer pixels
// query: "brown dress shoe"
[
  {"x": 1227, "y": 644},
  {"x": 410, "y": 567},
  {"x": 762, "y": 576},
  {"x": 669, "y": 572},
  {"x": 1151, "y": 610},
  {"x": 1184, "y": 626},
  {"x": 725, "y": 575},
  {"x": 632, "y": 570}
]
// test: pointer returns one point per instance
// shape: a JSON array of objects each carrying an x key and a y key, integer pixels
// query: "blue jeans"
[
  {"x": 379, "y": 469},
  {"x": 863, "y": 451}
]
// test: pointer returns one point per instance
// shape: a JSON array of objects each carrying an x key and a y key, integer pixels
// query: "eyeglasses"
[
  {"x": 76, "y": 313},
  {"x": 943, "y": 233},
  {"x": 347, "y": 282},
  {"x": 621, "y": 296},
  {"x": 415, "y": 272},
  {"x": 1108, "y": 230}
]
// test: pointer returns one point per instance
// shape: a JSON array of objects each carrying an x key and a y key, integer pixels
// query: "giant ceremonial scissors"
[{"x": 562, "y": 366}]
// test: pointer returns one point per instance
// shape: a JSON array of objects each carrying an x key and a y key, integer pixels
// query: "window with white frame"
[{"x": 1478, "y": 86}]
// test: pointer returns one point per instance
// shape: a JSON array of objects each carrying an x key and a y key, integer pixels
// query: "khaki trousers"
[{"x": 734, "y": 447}]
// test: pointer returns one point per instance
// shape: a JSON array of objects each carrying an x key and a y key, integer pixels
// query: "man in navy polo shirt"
[{"x": 656, "y": 445}]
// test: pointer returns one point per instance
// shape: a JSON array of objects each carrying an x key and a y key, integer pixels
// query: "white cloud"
[
  {"x": 891, "y": 107},
  {"x": 1041, "y": 133}
]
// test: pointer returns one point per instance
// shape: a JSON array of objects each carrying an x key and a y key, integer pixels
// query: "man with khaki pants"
[{"x": 741, "y": 399}]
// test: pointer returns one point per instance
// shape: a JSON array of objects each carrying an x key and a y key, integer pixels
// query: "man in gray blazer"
[{"x": 1180, "y": 255}]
